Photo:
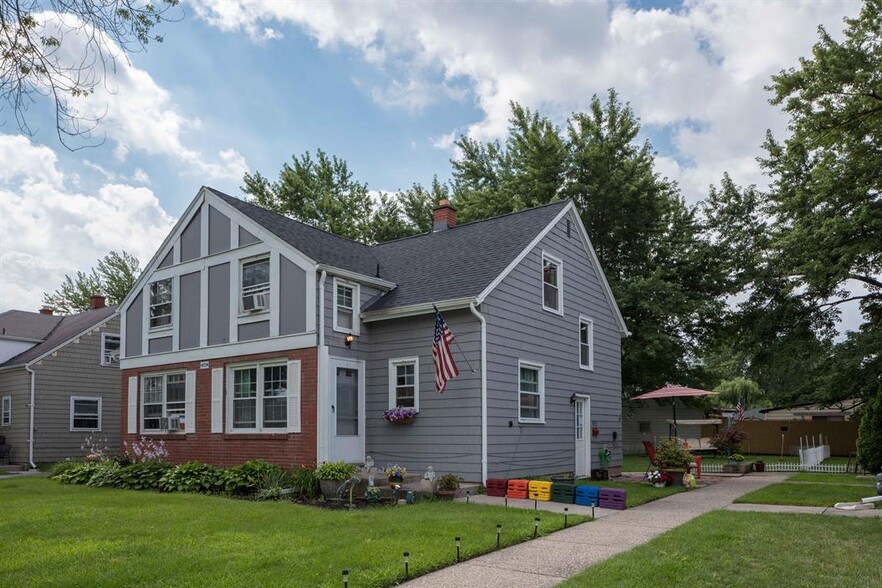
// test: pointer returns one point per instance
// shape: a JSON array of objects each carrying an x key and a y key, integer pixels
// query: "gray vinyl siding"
[
  {"x": 447, "y": 432},
  {"x": 218, "y": 231},
  {"x": 75, "y": 370},
  {"x": 292, "y": 298},
  {"x": 168, "y": 259},
  {"x": 258, "y": 330},
  {"x": 334, "y": 339},
  {"x": 219, "y": 304},
  {"x": 191, "y": 238},
  {"x": 657, "y": 415},
  {"x": 16, "y": 383},
  {"x": 246, "y": 238},
  {"x": 134, "y": 326},
  {"x": 519, "y": 329},
  {"x": 159, "y": 345},
  {"x": 189, "y": 315}
]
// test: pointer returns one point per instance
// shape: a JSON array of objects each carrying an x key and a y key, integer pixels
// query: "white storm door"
[
  {"x": 347, "y": 424},
  {"x": 583, "y": 436}
]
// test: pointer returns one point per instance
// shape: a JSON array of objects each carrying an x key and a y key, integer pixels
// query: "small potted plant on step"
[
  {"x": 331, "y": 475},
  {"x": 657, "y": 479},
  {"x": 673, "y": 459},
  {"x": 448, "y": 484},
  {"x": 395, "y": 472},
  {"x": 603, "y": 457}
]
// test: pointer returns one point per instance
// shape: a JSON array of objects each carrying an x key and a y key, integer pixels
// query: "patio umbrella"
[{"x": 674, "y": 392}]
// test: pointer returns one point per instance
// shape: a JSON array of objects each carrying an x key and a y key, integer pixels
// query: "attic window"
[
  {"x": 346, "y": 296},
  {"x": 109, "y": 349},
  {"x": 256, "y": 285},
  {"x": 552, "y": 284},
  {"x": 161, "y": 304}
]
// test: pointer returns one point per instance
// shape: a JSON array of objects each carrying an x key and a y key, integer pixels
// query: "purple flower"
[{"x": 394, "y": 415}]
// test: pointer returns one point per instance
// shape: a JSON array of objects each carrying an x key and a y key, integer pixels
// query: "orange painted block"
[{"x": 518, "y": 488}]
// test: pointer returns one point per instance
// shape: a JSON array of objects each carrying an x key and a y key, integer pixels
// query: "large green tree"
[{"x": 113, "y": 277}]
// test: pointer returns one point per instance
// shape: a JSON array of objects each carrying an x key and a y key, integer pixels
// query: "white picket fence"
[{"x": 821, "y": 468}]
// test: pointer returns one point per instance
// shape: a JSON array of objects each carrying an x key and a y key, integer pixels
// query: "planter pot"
[
  {"x": 759, "y": 466},
  {"x": 396, "y": 480},
  {"x": 676, "y": 476},
  {"x": 446, "y": 494},
  {"x": 599, "y": 474},
  {"x": 329, "y": 488},
  {"x": 406, "y": 421}
]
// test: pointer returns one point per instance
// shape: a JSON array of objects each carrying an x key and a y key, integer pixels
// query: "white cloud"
[
  {"x": 48, "y": 230},
  {"x": 134, "y": 112},
  {"x": 697, "y": 72}
]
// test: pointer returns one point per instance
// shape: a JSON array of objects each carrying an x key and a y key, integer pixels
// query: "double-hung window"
[
  {"x": 404, "y": 383},
  {"x": 85, "y": 413},
  {"x": 586, "y": 343},
  {"x": 259, "y": 397},
  {"x": 109, "y": 349},
  {"x": 552, "y": 284},
  {"x": 531, "y": 392},
  {"x": 345, "y": 307},
  {"x": 6, "y": 411},
  {"x": 164, "y": 395},
  {"x": 161, "y": 304},
  {"x": 256, "y": 285}
]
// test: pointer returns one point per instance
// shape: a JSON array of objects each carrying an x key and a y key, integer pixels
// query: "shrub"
[
  {"x": 306, "y": 482},
  {"x": 78, "y": 473},
  {"x": 272, "y": 485},
  {"x": 248, "y": 477},
  {"x": 143, "y": 475},
  {"x": 671, "y": 455},
  {"x": 728, "y": 441},
  {"x": 449, "y": 482},
  {"x": 192, "y": 476},
  {"x": 105, "y": 474},
  {"x": 335, "y": 470},
  {"x": 870, "y": 436},
  {"x": 60, "y": 467}
]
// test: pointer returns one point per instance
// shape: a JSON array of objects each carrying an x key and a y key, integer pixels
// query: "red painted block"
[{"x": 497, "y": 486}]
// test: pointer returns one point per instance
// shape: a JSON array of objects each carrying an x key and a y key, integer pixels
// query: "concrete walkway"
[
  {"x": 550, "y": 560},
  {"x": 825, "y": 510}
]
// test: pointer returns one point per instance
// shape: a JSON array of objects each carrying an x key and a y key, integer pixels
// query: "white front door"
[
  {"x": 347, "y": 411},
  {"x": 583, "y": 436}
]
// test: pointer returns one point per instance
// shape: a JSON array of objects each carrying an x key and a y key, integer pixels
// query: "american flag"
[
  {"x": 445, "y": 366},
  {"x": 740, "y": 409}
]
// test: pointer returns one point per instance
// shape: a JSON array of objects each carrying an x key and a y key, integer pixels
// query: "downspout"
[
  {"x": 31, "y": 430},
  {"x": 320, "y": 404},
  {"x": 481, "y": 318}
]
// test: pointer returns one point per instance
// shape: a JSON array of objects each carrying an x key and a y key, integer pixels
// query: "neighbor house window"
[
  {"x": 85, "y": 413},
  {"x": 6, "y": 411},
  {"x": 345, "y": 307},
  {"x": 645, "y": 427},
  {"x": 259, "y": 397},
  {"x": 586, "y": 343},
  {"x": 109, "y": 349},
  {"x": 164, "y": 396},
  {"x": 531, "y": 392},
  {"x": 256, "y": 285},
  {"x": 404, "y": 383},
  {"x": 552, "y": 284},
  {"x": 161, "y": 304}
]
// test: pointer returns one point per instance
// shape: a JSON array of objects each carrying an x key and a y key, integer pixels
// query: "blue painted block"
[{"x": 588, "y": 495}]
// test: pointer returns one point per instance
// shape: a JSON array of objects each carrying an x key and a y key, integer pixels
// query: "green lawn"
[
  {"x": 55, "y": 534},
  {"x": 638, "y": 493},
  {"x": 806, "y": 489},
  {"x": 725, "y": 548}
]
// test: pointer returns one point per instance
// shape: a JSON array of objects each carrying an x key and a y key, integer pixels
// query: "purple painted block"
[{"x": 613, "y": 498}]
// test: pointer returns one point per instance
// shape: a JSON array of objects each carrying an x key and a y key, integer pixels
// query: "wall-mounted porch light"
[{"x": 348, "y": 339}]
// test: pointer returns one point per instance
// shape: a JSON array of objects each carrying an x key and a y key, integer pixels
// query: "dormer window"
[
  {"x": 256, "y": 285},
  {"x": 552, "y": 284},
  {"x": 161, "y": 304},
  {"x": 345, "y": 307}
]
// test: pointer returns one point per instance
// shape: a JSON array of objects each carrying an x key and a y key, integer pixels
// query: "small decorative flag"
[
  {"x": 740, "y": 408},
  {"x": 445, "y": 366}
]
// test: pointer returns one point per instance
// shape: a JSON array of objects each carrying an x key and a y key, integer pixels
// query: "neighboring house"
[
  {"x": 251, "y": 335},
  {"x": 59, "y": 381},
  {"x": 652, "y": 420},
  {"x": 844, "y": 410}
]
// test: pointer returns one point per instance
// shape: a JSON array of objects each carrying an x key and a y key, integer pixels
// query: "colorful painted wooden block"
[
  {"x": 613, "y": 498},
  {"x": 497, "y": 486},
  {"x": 563, "y": 492},
  {"x": 518, "y": 488},
  {"x": 588, "y": 495},
  {"x": 540, "y": 490}
]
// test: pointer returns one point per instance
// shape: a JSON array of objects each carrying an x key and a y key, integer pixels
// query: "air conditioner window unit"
[{"x": 255, "y": 302}]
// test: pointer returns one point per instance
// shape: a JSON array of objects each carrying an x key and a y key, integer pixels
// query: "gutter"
[
  {"x": 27, "y": 367},
  {"x": 481, "y": 318},
  {"x": 417, "y": 309},
  {"x": 321, "y": 425}
]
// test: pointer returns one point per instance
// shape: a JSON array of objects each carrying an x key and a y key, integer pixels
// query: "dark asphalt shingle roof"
[
  {"x": 454, "y": 263},
  {"x": 67, "y": 327},
  {"x": 27, "y": 325}
]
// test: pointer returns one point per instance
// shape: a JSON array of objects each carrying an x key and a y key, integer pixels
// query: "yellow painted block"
[{"x": 540, "y": 490}]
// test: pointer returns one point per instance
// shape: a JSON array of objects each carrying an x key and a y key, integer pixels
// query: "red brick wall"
[{"x": 223, "y": 449}]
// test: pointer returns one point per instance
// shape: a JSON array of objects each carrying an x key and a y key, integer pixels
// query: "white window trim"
[
  {"x": 165, "y": 376},
  {"x": 356, "y": 304},
  {"x": 537, "y": 366},
  {"x": 149, "y": 305},
  {"x": 584, "y": 320},
  {"x": 260, "y": 314},
  {"x": 73, "y": 399},
  {"x": 393, "y": 396},
  {"x": 104, "y": 337},
  {"x": 6, "y": 411},
  {"x": 258, "y": 366},
  {"x": 560, "y": 278}
]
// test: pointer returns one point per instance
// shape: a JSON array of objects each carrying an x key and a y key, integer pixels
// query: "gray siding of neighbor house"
[
  {"x": 519, "y": 329},
  {"x": 292, "y": 297},
  {"x": 134, "y": 317},
  {"x": 75, "y": 370},
  {"x": 656, "y": 414},
  {"x": 258, "y": 330},
  {"x": 17, "y": 384},
  {"x": 218, "y": 231},
  {"x": 447, "y": 432},
  {"x": 246, "y": 238},
  {"x": 189, "y": 333},
  {"x": 219, "y": 304},
  {"x": 191, "y": 238}
]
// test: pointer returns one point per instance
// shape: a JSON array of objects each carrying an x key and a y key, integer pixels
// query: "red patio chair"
[{"x": 650, "y": 451}]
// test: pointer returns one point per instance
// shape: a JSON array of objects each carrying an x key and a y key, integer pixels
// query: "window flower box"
[{"x": 400, "y": 416}]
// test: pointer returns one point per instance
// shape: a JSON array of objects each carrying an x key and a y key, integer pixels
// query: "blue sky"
[{"x": 240, "y": 86}]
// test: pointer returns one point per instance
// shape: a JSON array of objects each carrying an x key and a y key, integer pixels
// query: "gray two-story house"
[{"x": 251, "y": 335}]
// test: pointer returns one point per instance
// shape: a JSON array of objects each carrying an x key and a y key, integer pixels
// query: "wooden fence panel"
[{"x": 765, "y": 436}]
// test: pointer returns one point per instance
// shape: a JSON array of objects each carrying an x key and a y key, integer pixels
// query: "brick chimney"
[
  {"x": 445, "y": 216},
  {"x": 47, "y": 310},
  {"x": 97, "y": 301}
]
